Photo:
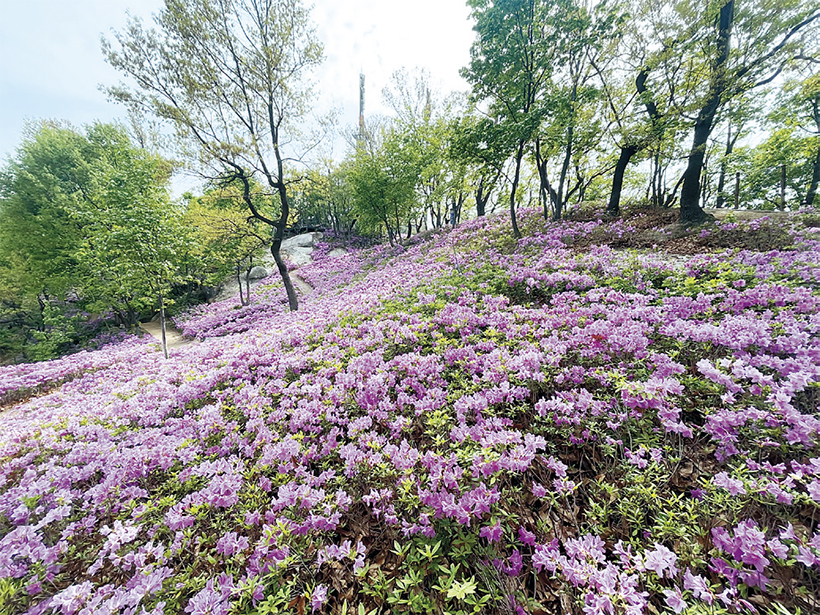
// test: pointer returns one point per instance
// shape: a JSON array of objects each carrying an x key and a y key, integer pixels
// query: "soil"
[
  {"x": 659, "y": 229},
  {"x": 173, "y": 336}
]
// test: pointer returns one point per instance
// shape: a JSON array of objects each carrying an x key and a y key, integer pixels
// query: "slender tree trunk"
[
  {"x": 558, "y": 208},
  {"x": 721, "y": 185},
  {"x": 162, "y": 324},
  {"x": 276, "y": 245},
  {"x": 737, "y": 190},
  {"x": 242, "y": 301},
  {"x": 239, "y": 282},
  {"x": 546, "y": 193},
  {"x": 815, "y": 180},
  {"x": 704, "y": 184},
  {"x": 811, "y": 193},
  {"x": 278, "y": 226},
  {"x": 730, "y": 146},
  {"x": 614, "y": 206},
  {"x": 782, "y": 204},
  {"x": 690, "y": 209},
  {"x": 481, "y": 199},
  {"x": 518, "y": 156}
]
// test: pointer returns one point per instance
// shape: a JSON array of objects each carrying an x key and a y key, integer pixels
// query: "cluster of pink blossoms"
[{"x": 440, "y": 386}]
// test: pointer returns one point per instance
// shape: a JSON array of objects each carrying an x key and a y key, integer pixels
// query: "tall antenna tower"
[{"x": 361, "y": 108}]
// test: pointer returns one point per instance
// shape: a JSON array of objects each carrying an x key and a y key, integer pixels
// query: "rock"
[
  {"x": 257, "y": 273},
  {"x": 337, "y": 252},
  {"x": 306, "y": 240},
  {"x": 299, "y": 255}
]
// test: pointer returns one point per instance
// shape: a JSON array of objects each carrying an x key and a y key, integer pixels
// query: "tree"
[
  {"x": 425, "y": 123},
  {"x": 510, "y": 66},
  {"x": 382, "y": 177},
  {"x": 636, "y": 123},
  {"x": 225, "y": 237},
  {"x": 583, "y": 37},
  {"x": 744, "y": 45},
  {"x": 737, "y": 117},
  {"x": 480, "y": 144},
  {"x": 40, "y": 187},
  {"x": 798, "y": 111},
  {"x": 230, "y": 77},
  {"x": 133, "y": 239},
  {"x": 86, "y": 220}
]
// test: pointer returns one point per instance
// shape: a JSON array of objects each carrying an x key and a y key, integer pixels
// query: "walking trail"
[{"x": 298, "y": 249}]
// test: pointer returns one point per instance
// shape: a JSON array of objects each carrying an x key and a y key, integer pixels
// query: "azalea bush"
[{"x": 464, "y": 424}]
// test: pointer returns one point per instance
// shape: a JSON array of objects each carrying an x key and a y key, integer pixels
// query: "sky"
[{"x": 51, "y": 66}]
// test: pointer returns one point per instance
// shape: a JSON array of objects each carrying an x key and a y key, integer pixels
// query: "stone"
[
  {"x": 257, "y": 273},
  {"x": 305, "y": 240}
]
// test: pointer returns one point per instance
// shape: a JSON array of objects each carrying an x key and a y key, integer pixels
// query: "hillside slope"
[{"x": 465, "y": 424}]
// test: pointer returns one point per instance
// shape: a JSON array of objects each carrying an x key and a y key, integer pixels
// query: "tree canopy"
[{"x": 230, "y": 77}]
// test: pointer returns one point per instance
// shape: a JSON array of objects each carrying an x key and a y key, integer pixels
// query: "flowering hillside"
[{"x": 466, "y": 424}]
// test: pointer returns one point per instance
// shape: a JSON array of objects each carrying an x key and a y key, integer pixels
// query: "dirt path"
[{"x": 172, "y": 335}]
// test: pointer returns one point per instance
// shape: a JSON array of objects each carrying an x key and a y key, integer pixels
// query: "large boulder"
[
  {"x": 257, "y": 273},
  {"x": 305, "y": 240},
  {"x": 299, "y": 249}
]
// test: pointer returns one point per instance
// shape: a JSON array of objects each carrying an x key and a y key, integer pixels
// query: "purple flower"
[
  {"x": 209, "y": 601},
  {"x": 546, "y": 556},
  {"x": 231, "y": 543},
  {"x": 698, "y": 586},
  {"x": 318, "y": 598},
  {"x": 538, "y": 490},
  {"x": 492, "y": 533},
  {"x": 526, "y": 537},
  {"x": 675, "y": 600},
  {"x": 813, "y": 489},
  {"x": 662, "y": 561},
  {"x": 778, "y": 549},
  {"x": 733, "y": 485}
]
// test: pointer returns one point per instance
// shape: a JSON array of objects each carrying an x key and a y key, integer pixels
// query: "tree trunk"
[
  {"x": 730, "y": 146},
  {"x": 614, "y": 206},
  {"x": 547, "y": 193},
  {"x": 782, "y": 204},
  {"x": 482, "y": 195},
  {"x": 162, "y": 325},
  {"x": 457, "y": 207},
  {"x": 518, "y": 156},
  {"x": 721, "y": 185},
  {"x": 480, "y": 201},
  {"x": 690, "y": 209},
  {"x": 276, "y": 245},
  {"x": 737, "y": 190},
  {"x": 279, "y": 227},
  {"x": 815, "y": 180}
]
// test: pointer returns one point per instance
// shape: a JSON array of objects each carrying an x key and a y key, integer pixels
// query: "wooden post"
[
  {"x": 737, "y": 190},
  {"x": 782, "y": 187},
  {"x": 162, "y": 324}
]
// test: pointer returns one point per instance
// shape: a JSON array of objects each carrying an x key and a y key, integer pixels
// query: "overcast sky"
[{"x": 51, "y": 65}]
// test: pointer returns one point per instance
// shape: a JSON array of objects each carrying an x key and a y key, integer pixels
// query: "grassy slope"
[{"x": 466, "y": 424}]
